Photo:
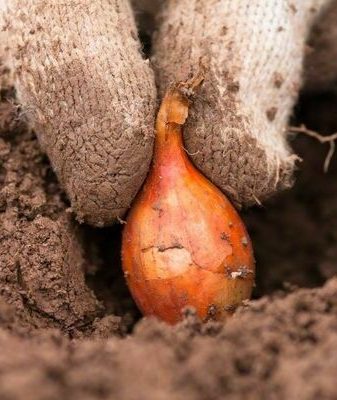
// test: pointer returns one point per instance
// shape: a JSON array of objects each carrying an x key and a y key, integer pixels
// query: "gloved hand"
[{"x": 91, "y": 96}]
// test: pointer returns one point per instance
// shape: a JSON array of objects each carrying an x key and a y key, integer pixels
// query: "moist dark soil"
[{"x": 70, "y": 330}]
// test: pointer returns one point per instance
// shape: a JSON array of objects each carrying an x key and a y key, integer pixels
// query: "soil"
[{"x": 69, "y": 328}]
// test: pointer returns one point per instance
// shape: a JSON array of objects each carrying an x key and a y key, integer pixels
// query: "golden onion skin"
[{"x": 184, "y": 244}]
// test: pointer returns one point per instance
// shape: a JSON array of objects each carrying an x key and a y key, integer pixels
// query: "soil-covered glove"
[
  {"x": 91, "y": 97},
  {"x": 253, "y": 51}
]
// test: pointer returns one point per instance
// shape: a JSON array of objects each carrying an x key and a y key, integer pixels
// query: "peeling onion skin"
[{"x": 184, "y": 243}]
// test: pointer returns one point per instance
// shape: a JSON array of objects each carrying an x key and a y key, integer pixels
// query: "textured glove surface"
[
  {"x": 253, "y": 52},
  {"x": 89, "y": 95}
]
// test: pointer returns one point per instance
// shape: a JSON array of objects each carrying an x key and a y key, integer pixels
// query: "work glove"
[{"x": 91, "y": 95}]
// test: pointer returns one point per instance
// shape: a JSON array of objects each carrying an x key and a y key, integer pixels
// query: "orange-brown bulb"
[{"x": 184, "y": 244}]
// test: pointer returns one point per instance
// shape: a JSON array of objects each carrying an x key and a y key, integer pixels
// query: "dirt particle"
[
  {"x": 9, "y": 118},
  {"x": 293, "y": 8},
  {"x": 233, "y": 87},
  {"x": 224, "y": 30},
  {"x": 212, "y": 311},
  {"x": 244, "y": 241},
  {"x": 134, "y": 35},
  {"x": 271, "y": 113},
  {"x": 231, "y": 308},
  {"x": 157, "y": 207},
  {"x": 241, "y": 273},
  {"x": 224, "y": 236},
  {"x": 278, "y": 80}
]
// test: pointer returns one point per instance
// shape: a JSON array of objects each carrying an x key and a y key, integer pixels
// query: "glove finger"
[
  {"x": 252, "y": 53},
  {"x": 89, "y": 95}
]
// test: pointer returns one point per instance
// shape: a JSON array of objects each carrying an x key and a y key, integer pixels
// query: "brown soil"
[{"x": 69, "y": 329}]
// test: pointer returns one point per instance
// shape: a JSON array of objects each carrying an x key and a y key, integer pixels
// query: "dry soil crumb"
[{"x": 41, "y": 258}]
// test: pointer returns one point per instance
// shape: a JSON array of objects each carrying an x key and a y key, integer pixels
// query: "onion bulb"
[{"x": 184, "y": 244}]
